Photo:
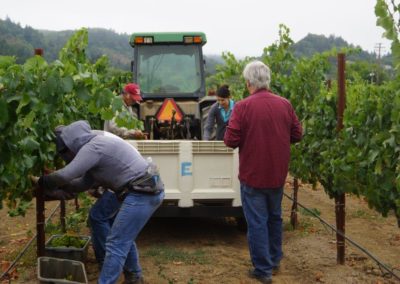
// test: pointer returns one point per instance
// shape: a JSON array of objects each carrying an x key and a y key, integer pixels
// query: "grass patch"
[
  {"x": 164, "y": 254},
  {"x": 305, "y": 226},
  {"x": 310, "y": 212},
  {"x": 359, "y": 214},
  {"x": 53, "y": 228}
]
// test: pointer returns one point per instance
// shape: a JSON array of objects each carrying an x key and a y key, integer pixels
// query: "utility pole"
[{"x": 378, "y": 49}]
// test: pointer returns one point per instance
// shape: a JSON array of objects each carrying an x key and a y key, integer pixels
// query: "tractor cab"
[{"x": 169, "y": 69}]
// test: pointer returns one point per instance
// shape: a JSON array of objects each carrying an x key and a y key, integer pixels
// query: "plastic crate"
[
  {"x": 79, "y": 254},
  {"x": 57, "y": 270}
]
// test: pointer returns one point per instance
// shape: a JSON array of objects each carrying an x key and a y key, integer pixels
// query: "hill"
[
  {"x": 20, "y": 41},
  {"x": 313, "y": 43}
]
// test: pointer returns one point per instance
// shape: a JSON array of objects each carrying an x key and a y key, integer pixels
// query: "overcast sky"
[{"x": 243, "y": 27}]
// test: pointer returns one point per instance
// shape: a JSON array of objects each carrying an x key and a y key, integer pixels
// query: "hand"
[
  {"x": 135, "y": 134},
  {"x": 139, "y": 135},
  {"x": 96, "y": 192},
  {"x": 34, "y": 179},
  {"x": 59, "y": 194}
]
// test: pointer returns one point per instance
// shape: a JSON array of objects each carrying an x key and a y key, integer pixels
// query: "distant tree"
[
  {"x": 212, "y": 61},
  {"x": 388, "y": 14},
  {"x": 312, "y": 44}
]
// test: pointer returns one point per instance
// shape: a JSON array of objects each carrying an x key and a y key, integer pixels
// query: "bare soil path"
[{"x": 188, "y": 251}]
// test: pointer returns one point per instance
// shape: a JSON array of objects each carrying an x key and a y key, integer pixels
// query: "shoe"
[
  {"x": 260, "y": 278},
  {"x": 139, "y": 280},
  {"x": 131, "y": 278},
  {"x": 276, "y": 270}
]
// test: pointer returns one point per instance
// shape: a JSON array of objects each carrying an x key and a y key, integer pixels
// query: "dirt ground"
[{"x": 188, "y": 251}]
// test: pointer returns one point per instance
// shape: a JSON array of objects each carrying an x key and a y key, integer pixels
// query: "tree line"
[{"x": 20, "y": 42}]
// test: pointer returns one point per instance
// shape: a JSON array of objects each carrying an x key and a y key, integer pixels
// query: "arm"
[
  {"x": 111, "y": 126},
  {"x": 210, "y": 123},
  {"x": 75, "y": 173},
  {"x": 80, "y": 184},
  {"x": 123, "y": 132},
  {"x": 296, "y": 131},
  {"x": 233, "y": 133}
]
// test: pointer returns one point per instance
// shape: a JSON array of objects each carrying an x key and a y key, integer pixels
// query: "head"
[
  {"x": 257, "y": 76},
  {"x": 71, "y": 138},
  {"x": 131, "y": 94},
  {"x": 223, "y": 96},
  {"x": 61, "y": 149}
]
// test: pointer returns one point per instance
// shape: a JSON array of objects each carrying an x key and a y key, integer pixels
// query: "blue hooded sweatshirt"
[{"x": 99, "y": 159}]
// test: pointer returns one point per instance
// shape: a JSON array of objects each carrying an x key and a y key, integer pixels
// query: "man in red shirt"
[{"x": 263, "y": 126}]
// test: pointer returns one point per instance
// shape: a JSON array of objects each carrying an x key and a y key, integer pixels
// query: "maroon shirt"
[{"x": 263, "y": 126}]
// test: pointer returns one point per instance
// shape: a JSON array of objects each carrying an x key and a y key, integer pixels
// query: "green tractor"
[{"x": 169, "y": 67}]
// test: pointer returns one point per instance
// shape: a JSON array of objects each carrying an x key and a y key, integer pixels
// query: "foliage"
[
  {"x": 37, "y": 96},
  {"x": 230, "y": 73},
  {"x": 312, "y": 44},
  {"x": 388, "y": 13},
  {"x": 21, "y": 41},
  {"x": 68, "y": 240},
  {"x": 363, "y": 158}
]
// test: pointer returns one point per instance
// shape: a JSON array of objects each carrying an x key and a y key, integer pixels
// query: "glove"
[
  {"x": 96, "y": 192},
  {"x": 46, "y": 183},
  {"x": 59, "y": 194},
  {"x": 34, "y": 179},
  {"x": 135, "y": 134}
]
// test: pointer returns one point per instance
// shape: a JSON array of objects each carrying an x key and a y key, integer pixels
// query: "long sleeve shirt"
[
  {"x": 112, "y": 127},
  {"x": 99, "y": 159},
  {"x": 215, "y": 116},
  {"x": 263, "y": 126}
]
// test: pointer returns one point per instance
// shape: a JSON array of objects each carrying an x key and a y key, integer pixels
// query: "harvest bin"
[
  {"x": 72, "y": 253},
  {"x": 57, "y": 270}
]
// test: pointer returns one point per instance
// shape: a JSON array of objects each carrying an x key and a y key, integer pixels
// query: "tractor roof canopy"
[{"x": 168, "y": 37}]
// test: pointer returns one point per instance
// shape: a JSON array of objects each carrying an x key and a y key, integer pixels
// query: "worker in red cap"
[{"x": 130, "y": 96}]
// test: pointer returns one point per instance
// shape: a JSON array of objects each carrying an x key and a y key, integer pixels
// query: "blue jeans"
[
  {"x": 263, "y": 209},
  {"x": 101, "y": 218},
  {"x": 135, "y": 211}
]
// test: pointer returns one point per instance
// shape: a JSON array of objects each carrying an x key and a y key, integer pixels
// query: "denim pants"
[
  {"x": 263, "y": 209},
  {"x": 101, "y": 218},
  {"x": 135, "y": 211}
]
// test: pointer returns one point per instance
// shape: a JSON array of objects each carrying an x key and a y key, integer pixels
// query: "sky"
[{"x": 243, "y": 27}]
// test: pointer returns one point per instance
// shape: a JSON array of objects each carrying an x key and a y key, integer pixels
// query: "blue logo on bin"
[{"x": 186, "y": 169}]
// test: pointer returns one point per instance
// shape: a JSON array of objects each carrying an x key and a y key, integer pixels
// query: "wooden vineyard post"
[
  {"x": 293, "y": 213},
  {"x": 62, "y": 216},
  {"x": 340, "y": 199},
  {"x": 76, "y": 204},
  {"x": 40, "y": 222}
]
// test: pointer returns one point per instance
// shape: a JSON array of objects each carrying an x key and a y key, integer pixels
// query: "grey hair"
[{"x": 257, "y": 74}]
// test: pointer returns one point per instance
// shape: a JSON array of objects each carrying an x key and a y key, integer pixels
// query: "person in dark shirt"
[
  {"x": 268, "y": 123},
  {"x": 219, "y": 114}
]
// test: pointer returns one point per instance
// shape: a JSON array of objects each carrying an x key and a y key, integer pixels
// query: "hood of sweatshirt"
[{"x": 76, "y": 135}]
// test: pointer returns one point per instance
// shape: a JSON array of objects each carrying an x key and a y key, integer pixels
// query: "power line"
[{"x": 379, "y": 48}]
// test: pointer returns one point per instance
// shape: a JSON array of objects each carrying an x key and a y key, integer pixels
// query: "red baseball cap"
[{"x": 134, "y": 91}]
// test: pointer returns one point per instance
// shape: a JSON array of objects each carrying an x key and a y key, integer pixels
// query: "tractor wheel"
[
  {"x": 204, "y": 117},
  {"x": 241, "y": 224}
]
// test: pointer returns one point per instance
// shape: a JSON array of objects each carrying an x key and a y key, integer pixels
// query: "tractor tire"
[
  {"x": 241, "y": 224},
  {"x": 204, "y": 116}
]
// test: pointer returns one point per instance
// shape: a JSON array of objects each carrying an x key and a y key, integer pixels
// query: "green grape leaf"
[{"x": 3, "y": 112}]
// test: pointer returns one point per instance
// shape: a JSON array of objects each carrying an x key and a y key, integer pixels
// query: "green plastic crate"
[{"x": 61, "y": 271}]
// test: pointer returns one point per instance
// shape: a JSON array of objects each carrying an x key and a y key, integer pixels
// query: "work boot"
[
  {"x": 260, "y": 278},
  {"x": 276, "y": 270},
  {"x": 131, "y": 278}
]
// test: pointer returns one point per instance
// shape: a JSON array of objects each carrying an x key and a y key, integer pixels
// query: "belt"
[{"x": 144, "y": 184}]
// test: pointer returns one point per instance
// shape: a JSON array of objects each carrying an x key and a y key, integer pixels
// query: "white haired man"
[{"x": 268, "y": 123}]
